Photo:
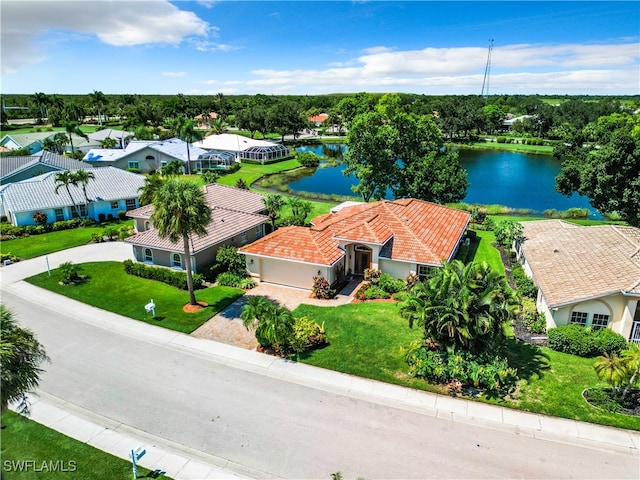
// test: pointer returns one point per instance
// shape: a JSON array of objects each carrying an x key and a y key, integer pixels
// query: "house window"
[
  {"x": 260, "y": 231},
  {"x": 176, "y": 260},
  {"x": 148, "y": 255},
  {"x": 599, "y": 321},
  {"x": 134, "y": 164},
  {"x": 74, "y": 211},
  {"x": 244, "y": 238},
  {"x": 114, "y": 205},
  {"x": 579, "y": 318},
  {"x": 423, "y": 272},
  {"x": 130, "y": 203},
  {"x": 163, "y": 163},
  {"x": 59, "y": 215},
  {"x": 147, "y": 225}
]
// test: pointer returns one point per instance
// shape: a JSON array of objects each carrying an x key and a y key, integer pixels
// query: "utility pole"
[{"x": 487, "y": 71}]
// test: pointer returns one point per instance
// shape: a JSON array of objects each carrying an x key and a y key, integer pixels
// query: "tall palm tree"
[
  {"x": 73, "y": 128},
  {"x": 41, "y": 100},
  {"x": 61, "y": 140},
  {"x": 99, "y": 100},
  {"x": 21, "y": 355},
  {"x": 179, "y": 212},
  {"x": 83, "y": 177},
  {"x": 273, "y": 202},
  {"x": 152, "y": 184},
  {"x": 188, "y": 132},
  {"x": 64, "y": 179}
]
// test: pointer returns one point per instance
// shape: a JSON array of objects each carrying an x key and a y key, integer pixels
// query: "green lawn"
[
  {"x": 108, "y": 287},
  {"x": 26, "y": 440},
  {"x": 369, "y": 340},
  {"x": 512, "y": 147},
  {"x": 37, "y": 245},
  {"x": 483, "y": 250}
]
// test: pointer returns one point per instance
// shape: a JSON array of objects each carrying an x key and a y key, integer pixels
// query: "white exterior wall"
[
  {"x": 399, "y": 270},
  {"x": 284, "y": 272}
]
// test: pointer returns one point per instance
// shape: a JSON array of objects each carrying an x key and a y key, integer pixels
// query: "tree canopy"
[{"x": 602, "y": 162}]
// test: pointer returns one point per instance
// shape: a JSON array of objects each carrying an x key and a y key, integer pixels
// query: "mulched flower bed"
[{"x": 602, "y": 398}]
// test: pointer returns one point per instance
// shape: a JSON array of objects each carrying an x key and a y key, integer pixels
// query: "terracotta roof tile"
[
  {"x": 572, "y": 263},
  {"x": 412, "y": 230}
]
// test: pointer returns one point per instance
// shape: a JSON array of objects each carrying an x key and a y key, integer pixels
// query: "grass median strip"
[
  {"x": 31, "y": 450},
  {"x": 108, "y": 287}
]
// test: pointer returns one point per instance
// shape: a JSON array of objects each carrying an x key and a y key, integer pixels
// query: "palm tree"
[
  {"x": 273, "y": 203},
  {"x": 462, "y": 307},
  {"x": 21, "y": 355},
  {"x": 611, "y": 368},
  {"x": 99, "y": 100},
  {"x": 64, "y": 179},
  {"x": 152, "y": 184},
  {"x": 83, "y": 177},
  {"x": 109, "y": 142},
  {"x": 60, "y": 139},
  {"x": 41, "y": 100},
  {"x": 179, "y": 212},
  {"x": 217, "y": 126},
  {"x": 272, "y": 323},
  {"x": 187, "y": 132},
  {"x": 631, "y": 358},
  {"x": 73, "y": 128}
]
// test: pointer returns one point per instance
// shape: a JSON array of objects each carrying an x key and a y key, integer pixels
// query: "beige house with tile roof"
[
  {"x": 236, "y": 219},
  {"x": 585, "y": 275},
  {"x": 399, "y": 237}
]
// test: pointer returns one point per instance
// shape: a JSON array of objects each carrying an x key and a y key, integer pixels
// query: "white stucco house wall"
[{"x": 585, "y": 275}]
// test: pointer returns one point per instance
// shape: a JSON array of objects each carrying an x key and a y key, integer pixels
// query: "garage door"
[{"x": 288, "y": 273}]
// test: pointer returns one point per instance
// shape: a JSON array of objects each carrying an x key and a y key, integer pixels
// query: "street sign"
[{"x": 136, "y": 455}]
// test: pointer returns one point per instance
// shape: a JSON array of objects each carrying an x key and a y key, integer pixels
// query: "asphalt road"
[{"x": 281, "y": 428}]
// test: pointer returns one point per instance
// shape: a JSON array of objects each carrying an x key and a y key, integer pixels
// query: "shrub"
[
  {"x": 133, "y": 170},
  {"x": 584, "y": 342},
  {"x": 485, "y": 371},
  {"x": 372, "y": 275},
  {"x": 210, "y": 176},
  {"x": 321, "y": 288},
  {"x": 526, "y": 287},
  {"x": 375, "y": 292},
  {"x": 360, "y": 294},
  {"x": 242, "y": 184},
  {"x": 4, "y": 219},
  {"x": 229, "y": 260},
  {"x": 306, "y": 335},
  {"x": 228, "y": 279},
  {"x": 8, "y": 256},
  {"x": 69, "y": 272},
  {"x": 247, "y": 283},
  {"x": 102, "y": 217},
  {"x": 122, "y": 215},
  {"x": 110, "y": 232},
  {"x": 411, "y": 281},
  {"x": 501, "y": 139},
  {"x": 507, "y": 231},
  {"x": 390, "y": 284},
  {"x": 176, "y": 279},
  {"x": 532, "y": 320},
  {"x": 308, "y": 159},
  {"x": 96, "y": 238},
  {"x": 40, "y": 218},
  {"x": 124, "y": 232}
]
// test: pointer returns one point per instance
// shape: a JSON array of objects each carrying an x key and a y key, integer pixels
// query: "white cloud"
[{"x": 116, "y": 23}]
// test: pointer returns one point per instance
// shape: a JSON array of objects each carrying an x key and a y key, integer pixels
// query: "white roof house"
[{"x": 230, "y": 142}]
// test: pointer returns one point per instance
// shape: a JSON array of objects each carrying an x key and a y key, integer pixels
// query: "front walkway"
[{"x": 227, "y": 326}]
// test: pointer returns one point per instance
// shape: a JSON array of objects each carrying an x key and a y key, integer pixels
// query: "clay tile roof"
[
  {"x": 411, "y": 230},
  {"x": 224, "y": 224},
  {"x": 572, "y": 263}
]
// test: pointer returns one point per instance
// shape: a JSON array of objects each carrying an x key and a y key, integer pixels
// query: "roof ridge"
[{"x": 410, "y": 230}]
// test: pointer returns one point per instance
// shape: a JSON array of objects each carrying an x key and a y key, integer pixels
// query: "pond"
[{"x": 517, "y": 180}]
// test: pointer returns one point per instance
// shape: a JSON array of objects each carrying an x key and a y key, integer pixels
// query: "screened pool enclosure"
[{"x": 265, "y": 153}]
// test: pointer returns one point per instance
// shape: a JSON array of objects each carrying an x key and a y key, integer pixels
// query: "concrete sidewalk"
[{"x": 189, "y": 464}]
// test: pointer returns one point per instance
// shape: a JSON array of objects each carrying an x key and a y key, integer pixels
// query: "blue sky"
[{"x": 314, "y": 47}]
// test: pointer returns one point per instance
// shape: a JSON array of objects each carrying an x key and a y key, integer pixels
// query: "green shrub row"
[
  {"x": 585, "y": 342},
  {"x": 532, "y": 320},
  {"x": 526, "y": 287},
  {"x": 570, "y": 213},
  {"x": 176, "y": 279},
  {"x": 13, "y": 231},
  {"x": 484, "y": 371},
  {"x": 229, "y": 279}
]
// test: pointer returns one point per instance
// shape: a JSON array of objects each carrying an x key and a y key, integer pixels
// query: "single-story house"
[
  {"x": 319, "y": 119},
  {"x": 585, "y": 275},
  {"x": 96, "y": 138},
  {"x": 111, "y": 191},
  {"x": 236, "y": 219},
  {"x": 16, "y": 169},
  {"x": 32, "y": 142},
  {"x": 243, "y": 147},
  {"x": 398, "y": 237},
  {"x": 146, "y": 155}
]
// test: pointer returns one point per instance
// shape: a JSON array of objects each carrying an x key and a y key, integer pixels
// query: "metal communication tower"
[{"x": 487, "y": 71}]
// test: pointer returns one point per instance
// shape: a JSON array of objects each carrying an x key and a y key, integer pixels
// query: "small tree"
[
  {"x": 273, "y": 203},
  {"x": 173, "y": 168},
  {"x": 231, "y": 261},
  {"x": 210, "y": 176},
  {"x": 69, "y": 272},
  {"x": 272, "y": 323},
  {"x": 242, "y": 184},
  {"x": 40, "y": 218},
  {"x": 507, "y": 232}
]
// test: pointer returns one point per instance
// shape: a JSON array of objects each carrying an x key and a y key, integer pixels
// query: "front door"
[{"x": 363, "y": 261}]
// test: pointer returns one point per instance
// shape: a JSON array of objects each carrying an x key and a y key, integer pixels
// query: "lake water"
[{"x": 517, "y": 180}]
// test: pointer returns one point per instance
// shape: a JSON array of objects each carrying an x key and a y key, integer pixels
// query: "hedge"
[
  {"x": 585, "y": 342},
  {"x": 174, "y": 278}
]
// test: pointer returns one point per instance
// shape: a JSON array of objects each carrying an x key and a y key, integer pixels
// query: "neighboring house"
[
  {"x": 243, "y": 147},
  {"x": 109, "y": 192},
  {"x": 508, "y": 123},
  {"x": 236, "y": 219},
  {"x": 95, "y": 139},
  {"x": 585, "y": 275},
  {"x": 146, "y": 155},
  {"x": 16, "y": 169},
  {"x": 204, "y": 121},
  {"x": 318, "y": 120},
  {"x": 32, "y": 142},
  {"x": 399, "y": 237}
]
